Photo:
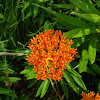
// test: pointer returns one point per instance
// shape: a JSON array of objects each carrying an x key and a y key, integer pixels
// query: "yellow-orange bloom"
[
  {"x": 90, "y": 96},
  {"x": 49, "y": 54}
]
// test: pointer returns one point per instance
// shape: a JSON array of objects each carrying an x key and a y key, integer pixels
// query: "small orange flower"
[
  {"x": 49, "y": 54},
  {"x": 90, "y": 96}
]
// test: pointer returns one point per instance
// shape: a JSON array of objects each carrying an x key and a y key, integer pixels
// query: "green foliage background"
[{"x": 20, "y": 20}]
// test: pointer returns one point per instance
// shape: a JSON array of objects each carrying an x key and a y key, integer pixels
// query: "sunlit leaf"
[
  {"x": 79, "y": 32},
  {"x": 83, "y": 61},
  {"x": 45, "y": 87},
  {"x": 88, "y": 8},
  {"x": 40, "y": 89},
  {"x": 89, "y": 17},
  {"x": 92, "y": 49}
]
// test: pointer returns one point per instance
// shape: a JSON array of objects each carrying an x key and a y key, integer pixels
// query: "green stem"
[{"x": 55, "y": 89}]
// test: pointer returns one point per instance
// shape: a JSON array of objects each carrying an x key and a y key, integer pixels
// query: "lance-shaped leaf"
[
  {"x": 65, "y": 19},
  {"x": 47, "y": 25},
  {"x": 7, "y": 92},
  {"x": 32, "y": 83},
  {"x": 64, "y": 87},
  {"x": 78, "y": 42},
  {"x": 66, "y": 6},
  {"x": 95, "y": 68},
  {"x": 79, "y": 32},
  {"x": 83, "y": 61},
  {"x": 45, "y": 87},
  {"x": 10, "y": 79},
  {"x": 40, "y": 89},
  {"x": 70, "y": 69},
  {"x": 88, "y": 8},
  {"x": 92, "y": 49},
  {"x": 31, "y": 75},
  {"x": 70, "y": 81},
  {"x": 27, "y": 70},
  {"x": 79, "y": 81},
  {"x": 89, "y": 17}
]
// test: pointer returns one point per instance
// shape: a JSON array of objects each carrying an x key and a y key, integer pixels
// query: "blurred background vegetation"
[{"x": 20, "y": 20}]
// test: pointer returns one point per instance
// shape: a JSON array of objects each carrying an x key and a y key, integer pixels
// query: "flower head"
[
  {"x": 49, "y": 54},
  {"x": 90, "y": 96}
]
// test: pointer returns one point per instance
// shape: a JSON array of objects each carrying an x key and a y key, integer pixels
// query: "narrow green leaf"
[
  {"x": 26, "y": 4},
  {"x": 40, "y": 89},
  {"x": 89, "y": 17},
  {"x": 92, "y": 49},
  {"x": 67, "y": 6},
  {"x": 70, "y": 20},
  {"x": 79, "y": 81},
  {"x": 65, "y": 19},
  {"x": 98, "y": 87},
  {"x": 83, "y": 61},
  {"x": 95, "y": 68},
  {"x": 70, "y": 69},
  {"x": 47, "y": 25},
  {"x": 1, "y": 16},
  {"x": 10, "y": 79},
  {"x": 32, "y": 73},
  {"x": 27, "y": 70},
  {"x": 45, "y": 87},
  {"x": 79, "y": 32},
  {"x": 28, "y": 15},
  {"x": 5, "y": 91},
  {"x": 88, "y": 8},
  {"x": 90, "y": 71},
  {"x": 70, "y": 81},
  {"x": 78, "y": 42},
  {"x": 64, "y": 87},
  {"x": 31, "y": 76},
  {"x": 7, "y": 71},
  {"x": 32, "y": 83},
  {"x": 35, "y": 11}
]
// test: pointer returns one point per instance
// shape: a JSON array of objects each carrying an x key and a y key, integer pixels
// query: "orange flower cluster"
[
  {"x": 49, "y": 54},
  {"x": 90, "y": 96}
]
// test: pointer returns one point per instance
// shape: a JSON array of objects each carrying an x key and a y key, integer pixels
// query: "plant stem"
[
  {"x": 12, "y": 54},
  {"x": 55, "y": 89}
]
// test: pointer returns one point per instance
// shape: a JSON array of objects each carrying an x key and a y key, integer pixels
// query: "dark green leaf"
[
  {"x": 35, "y": 11},
  {"x": 79, "y": 81},
  {"x": 70, "y": 81},
  {"x": 90, "y": 71},
  {"x": 10, "y": 79},
  {"x": 32, "y": 83},
  {"x": 95, "y": 68},
  {"x": 88, "y": 8},
  {"x": 7, "y": 92},
  {"x": 64, "y": 87},
  {"x": 70, "y": 69},
  {"x": 47, "y": 25},
  {"x": 78, "y": 42},
  {"x": 67, "y": 6}
]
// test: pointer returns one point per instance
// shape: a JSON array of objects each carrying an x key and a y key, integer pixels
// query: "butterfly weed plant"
[{"x": 58, "y": 65}]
